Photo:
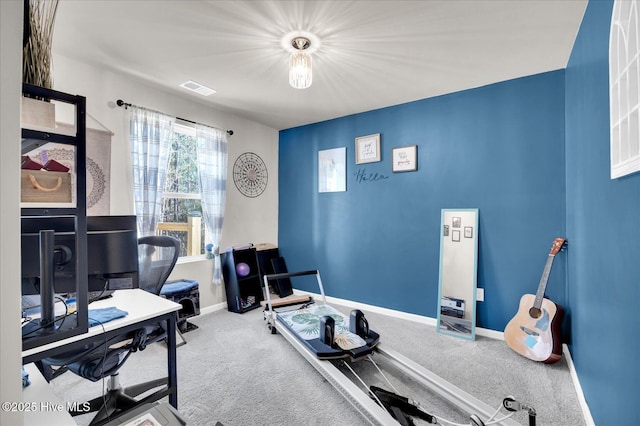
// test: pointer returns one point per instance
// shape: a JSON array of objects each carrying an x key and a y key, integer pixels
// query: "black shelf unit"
[
  {"x": 243, "y": 292},
  {"x": 78, "y": 322}
]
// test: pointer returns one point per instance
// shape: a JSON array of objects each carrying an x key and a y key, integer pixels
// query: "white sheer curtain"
[
  {"x": 212, "y": 171},
  {"x": 150, "y": 134}
]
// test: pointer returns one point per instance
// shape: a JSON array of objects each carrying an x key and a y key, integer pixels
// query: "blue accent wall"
[
  {"x": 498, "y": 148},
  {"x": 533, "y": 155},
  {"x": 603, "y": 227}
]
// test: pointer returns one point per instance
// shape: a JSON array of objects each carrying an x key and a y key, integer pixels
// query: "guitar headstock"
[{"x": 557, "y": 245}]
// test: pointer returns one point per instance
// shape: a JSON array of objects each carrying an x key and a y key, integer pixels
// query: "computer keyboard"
[{"x": 30, "y": 301}]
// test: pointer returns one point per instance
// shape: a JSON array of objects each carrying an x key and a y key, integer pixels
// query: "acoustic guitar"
[{"x": 534, "y": 332}]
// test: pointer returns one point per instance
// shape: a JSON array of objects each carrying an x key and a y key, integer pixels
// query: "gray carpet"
[{"x": 232, "y": 370}]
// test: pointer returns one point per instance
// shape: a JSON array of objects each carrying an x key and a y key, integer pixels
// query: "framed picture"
[
  {"x": 456, "y": 221},
  {"x": 332, "y": 170},
  {"x": 405, "y": 158},
  {"x": 455, "y": 236},
  {"x": 368, "y": 149},
  {"x": 468, "y": 231}
]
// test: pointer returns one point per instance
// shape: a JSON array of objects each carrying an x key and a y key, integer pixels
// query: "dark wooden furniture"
[{"x": 244, "y": 291}]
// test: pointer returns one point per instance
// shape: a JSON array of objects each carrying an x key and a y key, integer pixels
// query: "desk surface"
[{"x": 139, "y": 304}]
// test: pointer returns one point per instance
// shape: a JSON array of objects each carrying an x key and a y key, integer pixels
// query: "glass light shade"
[{"x": 300, "y": 70}]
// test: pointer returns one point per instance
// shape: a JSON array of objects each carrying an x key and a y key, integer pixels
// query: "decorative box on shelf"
[{"x": 42, "y": 186}]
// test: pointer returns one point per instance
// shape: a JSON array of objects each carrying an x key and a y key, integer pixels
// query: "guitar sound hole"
[{"x": 535, "y": 312}]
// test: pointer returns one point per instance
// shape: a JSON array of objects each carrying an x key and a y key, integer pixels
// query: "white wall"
[
  {"x": 247, "y": 220},
  {"x": 10, "y": 88}
]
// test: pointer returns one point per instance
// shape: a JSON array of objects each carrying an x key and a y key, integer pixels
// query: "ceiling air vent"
[{"x": 198, "y": 88}]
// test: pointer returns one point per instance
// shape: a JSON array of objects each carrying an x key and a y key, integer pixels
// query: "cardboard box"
[{"x": 38, "y": 114}]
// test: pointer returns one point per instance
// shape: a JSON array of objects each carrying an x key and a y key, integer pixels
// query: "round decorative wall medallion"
[{"x": 250, "y": 174}]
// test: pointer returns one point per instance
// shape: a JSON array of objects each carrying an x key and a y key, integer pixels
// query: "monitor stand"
[
  {"x": 47, "y": 323},
  {"x": 47, "y": 270}
]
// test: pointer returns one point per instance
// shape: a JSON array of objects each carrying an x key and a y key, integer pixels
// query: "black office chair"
[{"x": 157, "y": 256}]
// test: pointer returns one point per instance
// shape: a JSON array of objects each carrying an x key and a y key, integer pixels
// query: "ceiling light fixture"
[{"x": 300, "y": 63}]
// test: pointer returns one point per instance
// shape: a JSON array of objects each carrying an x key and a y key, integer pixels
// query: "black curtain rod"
[{"x": 124, "y": 104}]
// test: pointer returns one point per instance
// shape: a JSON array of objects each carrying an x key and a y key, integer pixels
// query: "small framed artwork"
[
  {"x": 405, "y": 158},
  {"x": 445, "y": 231},
  {"x": 332, "y": 170},
  {"x": 468, "y": 231},
  {"x": 455, "y": 236},
  {"x": 368, "y": 149},
  {"x": 455, "y": 222}
]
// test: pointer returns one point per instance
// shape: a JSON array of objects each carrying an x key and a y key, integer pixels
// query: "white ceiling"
[{"x": 371, "y": 54}]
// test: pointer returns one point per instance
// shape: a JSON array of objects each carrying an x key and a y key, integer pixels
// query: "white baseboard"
[
  {"x": 213, "y": 308},
  {"x": 586, "y": 413}
]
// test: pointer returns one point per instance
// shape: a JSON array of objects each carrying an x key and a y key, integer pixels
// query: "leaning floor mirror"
[{"x": 458, "y": 273}]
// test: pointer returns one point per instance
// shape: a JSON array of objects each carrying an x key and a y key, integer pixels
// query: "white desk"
[
  {"x": 143, "y": 308},
  {"x": 139, "y": 304}
]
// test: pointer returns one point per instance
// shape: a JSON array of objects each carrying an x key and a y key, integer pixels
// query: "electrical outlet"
[{"x": 479, "y": 294}]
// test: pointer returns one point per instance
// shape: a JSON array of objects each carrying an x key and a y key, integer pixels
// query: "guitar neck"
[{"x": 543, "y": 281}]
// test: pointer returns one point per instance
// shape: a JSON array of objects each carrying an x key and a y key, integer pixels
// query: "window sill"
[{"x": 192, "y": 259}]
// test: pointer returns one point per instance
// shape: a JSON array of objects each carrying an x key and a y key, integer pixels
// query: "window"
[
  {"x": 181, "y": 207},
  {"x": 624, "y": 87},
  {"x": 199, "y": 154}
]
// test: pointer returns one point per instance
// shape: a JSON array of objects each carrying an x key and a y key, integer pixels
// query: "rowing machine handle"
[{"x": 284, "y": 275}]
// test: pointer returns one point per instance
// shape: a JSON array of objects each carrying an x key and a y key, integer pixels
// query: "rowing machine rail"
[{"x": 370, "y": 410}]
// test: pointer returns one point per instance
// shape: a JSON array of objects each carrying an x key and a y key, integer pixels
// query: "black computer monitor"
[{"x": 112, "y": 253}]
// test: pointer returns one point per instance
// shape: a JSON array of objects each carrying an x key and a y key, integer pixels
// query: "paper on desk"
[{"x": 146, "y": 419}]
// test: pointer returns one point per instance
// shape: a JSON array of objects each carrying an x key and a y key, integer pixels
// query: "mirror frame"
[{"x": 469, "y": 217}]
